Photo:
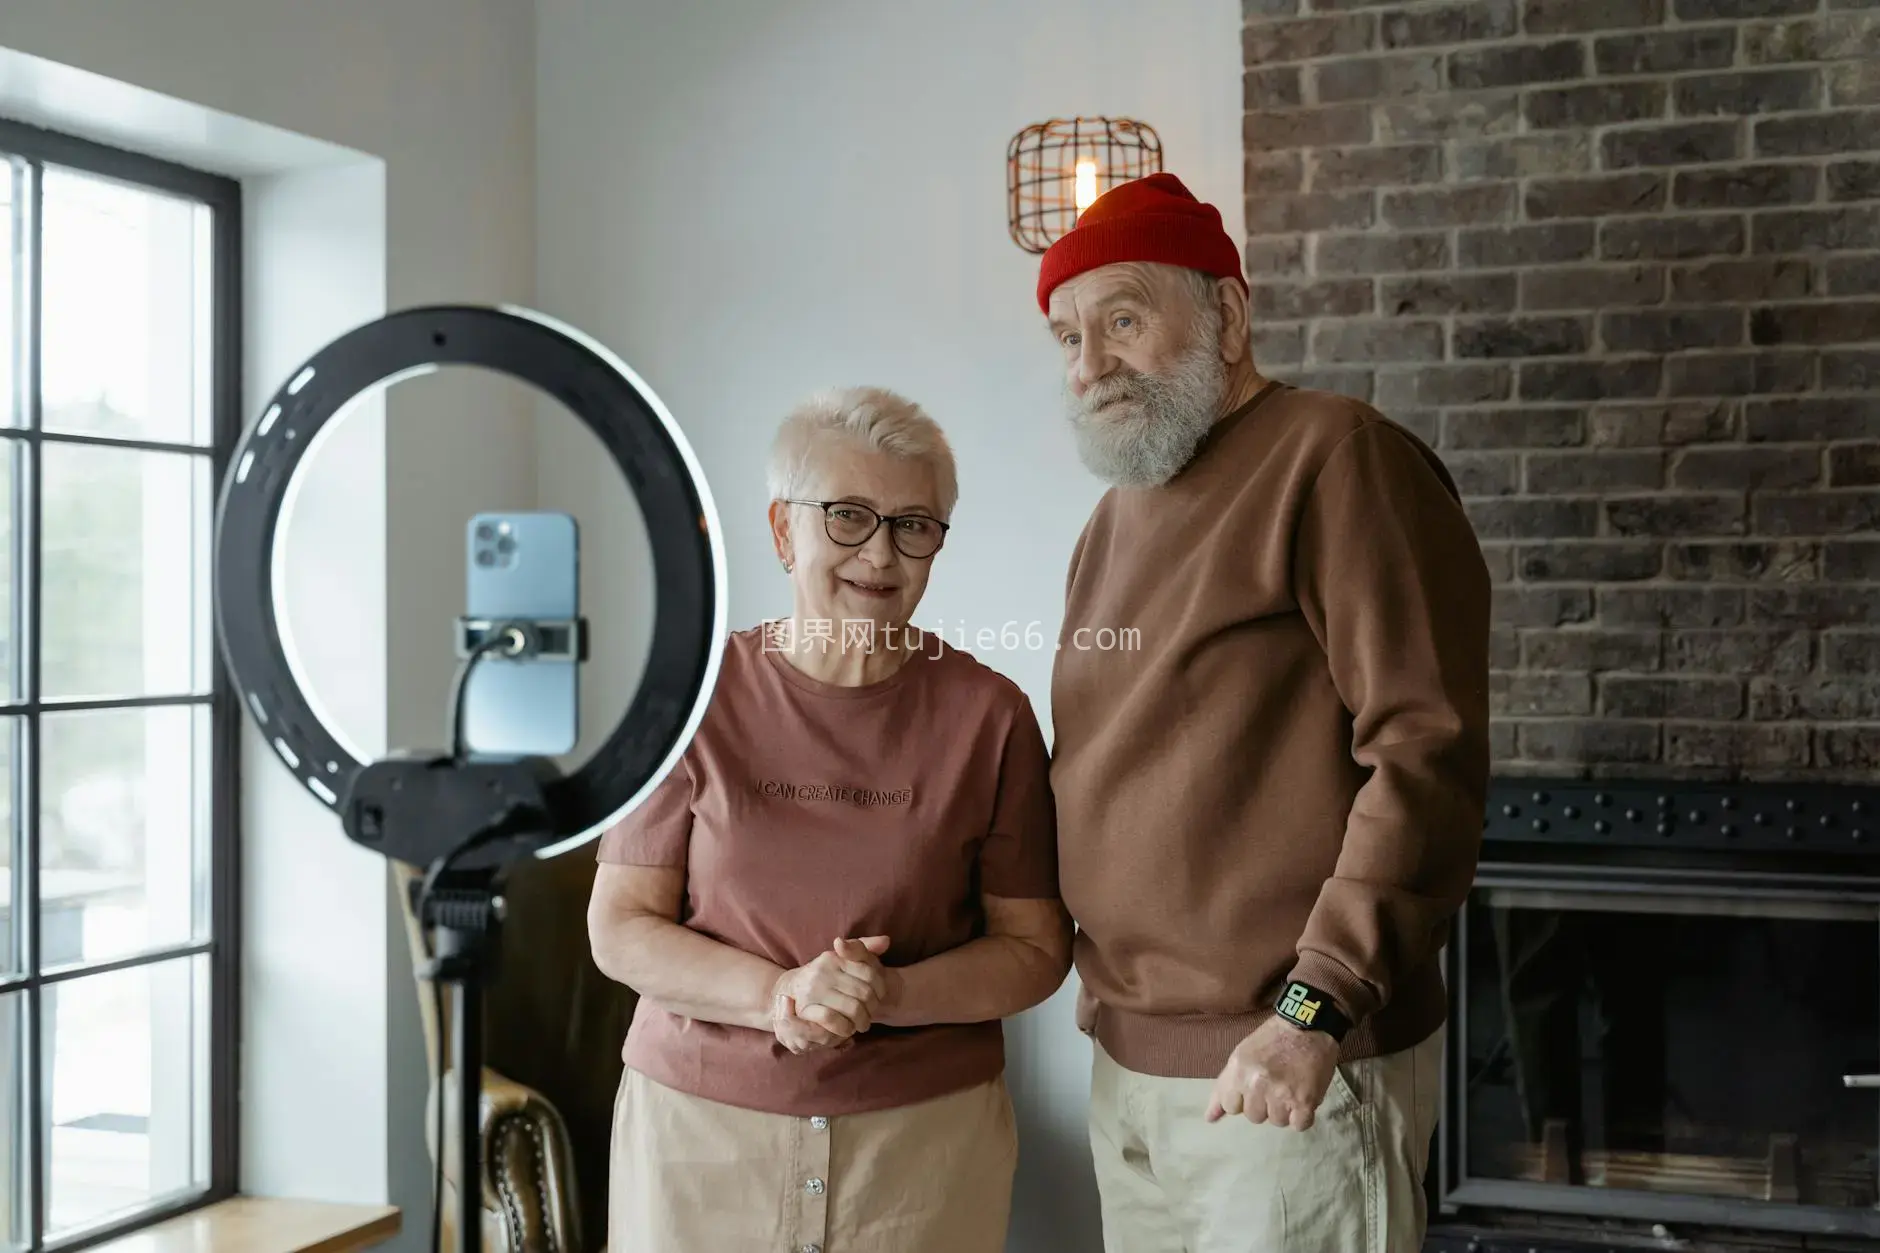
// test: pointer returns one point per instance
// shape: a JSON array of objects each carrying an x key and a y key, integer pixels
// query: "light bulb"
[{"x": 1086, "y": 183}]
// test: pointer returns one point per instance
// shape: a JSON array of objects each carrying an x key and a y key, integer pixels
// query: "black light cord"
[{"x": 505, "y": 637}]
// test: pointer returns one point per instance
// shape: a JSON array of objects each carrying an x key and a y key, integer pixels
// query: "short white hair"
[{"x": 870, "y": 417}]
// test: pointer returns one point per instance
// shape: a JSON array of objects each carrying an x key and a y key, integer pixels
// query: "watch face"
[{"x": 1299, "y": 1004}]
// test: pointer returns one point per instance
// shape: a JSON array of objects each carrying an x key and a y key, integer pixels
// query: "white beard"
[{"x": 1154, "y": 422}]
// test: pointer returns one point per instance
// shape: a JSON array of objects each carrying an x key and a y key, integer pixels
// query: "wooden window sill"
[{"x": 251, "y": 1224}]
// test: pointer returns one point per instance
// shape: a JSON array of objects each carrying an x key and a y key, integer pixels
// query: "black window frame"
[{"x": 221, "y": 195}]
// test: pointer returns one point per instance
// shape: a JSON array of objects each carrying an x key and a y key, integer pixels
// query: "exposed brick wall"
[{"x": 1619, "y": 261}]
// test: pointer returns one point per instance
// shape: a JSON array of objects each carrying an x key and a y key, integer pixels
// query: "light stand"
[{"x": 466, "y": 821}]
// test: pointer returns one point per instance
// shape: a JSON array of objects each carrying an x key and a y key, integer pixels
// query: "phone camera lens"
[
  {"x": 485, "y": 532},
  {"x": 485, "y": 557},
  {"x": 506, "y": 545}
]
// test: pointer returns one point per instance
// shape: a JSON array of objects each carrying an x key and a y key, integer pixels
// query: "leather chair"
[{"x": 552, "y": 1031}]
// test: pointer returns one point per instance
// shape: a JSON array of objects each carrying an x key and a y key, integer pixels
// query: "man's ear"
[{"x": 1236, "y": 321}]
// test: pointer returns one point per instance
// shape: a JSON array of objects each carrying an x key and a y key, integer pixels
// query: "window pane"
[
  {"x": 12, "y": 286},
  {"x": 13, "y": 455},
  {"x": 124, "y": 551},
  {"x": 125, "y": 310},
  {"x": 15, "y": 1168},
  {"x": 123, "y": 829},
  {"x": 12, "y": 885},
  {"x": 128, "y": 1121}
]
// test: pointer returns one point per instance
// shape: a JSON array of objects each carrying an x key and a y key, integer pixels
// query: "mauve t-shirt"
[{"x": 802, "y": 811}]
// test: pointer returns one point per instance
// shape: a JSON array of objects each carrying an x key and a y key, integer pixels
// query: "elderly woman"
[{"x": 830, "y": 904}]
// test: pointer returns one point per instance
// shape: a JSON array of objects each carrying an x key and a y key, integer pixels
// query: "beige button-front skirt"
[{"x": 690, "y": 1175}]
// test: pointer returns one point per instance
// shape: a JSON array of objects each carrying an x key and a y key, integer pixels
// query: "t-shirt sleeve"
[
  {"x": 1019, "y": 856},
  {"x": 659, "y": 831}
]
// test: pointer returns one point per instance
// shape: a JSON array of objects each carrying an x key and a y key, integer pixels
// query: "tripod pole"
[{"x": 469, "y": 1050}]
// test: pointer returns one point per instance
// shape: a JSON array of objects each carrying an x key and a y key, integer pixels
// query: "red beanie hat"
[{"x": 1148, "y": 219}]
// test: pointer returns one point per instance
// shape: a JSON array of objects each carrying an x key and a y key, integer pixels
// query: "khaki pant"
[
  {"x": 690, "y": 1175},
  {"x": 1172, "y": 1182}
]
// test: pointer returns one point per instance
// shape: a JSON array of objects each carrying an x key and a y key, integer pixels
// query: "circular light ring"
[{"x": 689, "y": 624}]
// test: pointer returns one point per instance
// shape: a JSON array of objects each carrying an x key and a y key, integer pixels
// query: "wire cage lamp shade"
[{"x": 1053, "y": 170}]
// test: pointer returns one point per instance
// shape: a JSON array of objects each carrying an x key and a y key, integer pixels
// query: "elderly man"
[{"x": 1270, "y": 806}]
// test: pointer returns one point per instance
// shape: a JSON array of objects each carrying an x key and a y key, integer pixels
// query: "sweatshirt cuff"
[{"x": 1352, "y": 995}]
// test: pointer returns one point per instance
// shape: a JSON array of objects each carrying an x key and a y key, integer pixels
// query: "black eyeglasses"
[{"x": 851, "y": 525}]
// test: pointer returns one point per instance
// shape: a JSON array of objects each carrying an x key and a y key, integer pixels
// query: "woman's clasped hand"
[{"x": 828, "y": 1001}]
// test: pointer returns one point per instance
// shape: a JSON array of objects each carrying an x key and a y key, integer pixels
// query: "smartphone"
[{"x": 522, "y": 565}]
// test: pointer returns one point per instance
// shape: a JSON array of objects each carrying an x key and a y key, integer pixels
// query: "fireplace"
[{"x": 1665, "y": 1022}]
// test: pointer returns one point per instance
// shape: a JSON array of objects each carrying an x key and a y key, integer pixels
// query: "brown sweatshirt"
[{"x": 1270, "y": 707}]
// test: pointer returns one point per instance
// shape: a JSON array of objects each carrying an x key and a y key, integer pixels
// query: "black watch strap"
[{"x": 1310, "y": 1009}]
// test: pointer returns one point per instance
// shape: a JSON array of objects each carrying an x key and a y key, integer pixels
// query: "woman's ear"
[{"x": 780, "y": 534}]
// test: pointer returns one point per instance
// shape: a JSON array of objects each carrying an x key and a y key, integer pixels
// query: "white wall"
[
  {"x": 435, "y": 100},
  {"x": 750, "y": 200}
]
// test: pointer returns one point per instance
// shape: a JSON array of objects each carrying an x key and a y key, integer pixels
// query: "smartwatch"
[{"x": 1310, "y": 1009}]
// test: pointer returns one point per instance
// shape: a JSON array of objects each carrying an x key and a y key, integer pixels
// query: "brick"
[
  {"x": 1279, "y": 345},
  {"x": 1819, "y": 606},
  {"x": 1380, "y": 254},
  {"x": 1541, "y": 606},
  {"x": 1736, "y": 748},
  {"x": 1281, "y": 215},
  {"x": 1540, "y": 694},
  {"x": 1636, "y": 696},
  {"x": 1522, "y": 337},
  {"x": 1272, "y": 173},
  {"x": 1378, "y": 78},
  {"x": 1306, "y": 39},
  {"x": 1593, "y": 287},
  {"x": 1850, "y": 371},
  {"x": 1843, "y": 511},
  {"x": 1851, "y": 652},
  {"x": 1354, "y": 383},
  {"x": 1662, "y": 425},
  {"x": 1471, "y": 205},
  {"x": 1738, "y": 652},
  {"x": 1498, "y": 560},
  {"x": 1767, "y": 91},
  {"x": 1597, "y": 561},
  {"x": 1824, "y": 699},
  {"x": 1851, "y": 561},
  {"x": 1746, "y": 282},
  {"x": 1671, "y": 239},
  {"x": 1854, "y": 465},
  {"x": 1602, "y": 104},
  {"x": 1756, "y": 561},
  {"x": 1739, "y": 373},
  {"x": 1524, "y": 156},
  {"x": 1451, "y": 115},
  {"x": 1504, "y": 648},
  {"x": 1534, "y": 519},
  {"x": 1336, "y": 298},
  {"x": 1819, "y": 134},
  {"x": 1274, "y": 257},
  {"x": 1845, "y": 37},
  {"x": 1513, "y": 428},
  {"x": 1556, "y": 381},
  {"x": 1424, "y": 424},
  {"x": 1446, "y": 385},
  {"x": 1849, "y": 322},
  {"x": 1848, "y": 748},
  {"x": 1330, "y": 126},
  {"x": 1595, "y": 197},
  {"x": 1675, "y": 514},
  {"x": 1595, "y": 740},
  {"x": 1485, "y": 473},
  {"x": 1468, "y": 22},
  {"x": 1501, "y": 741},
  {"x": 1736, "y": 10},
  {"x": 1811, "y": 419},
  {"x": 1592, "y": 649},
  {"x": 1525, "y": 245},
  {"x": 1745, "y": 187},
  {"x": 1562, "y": 473},
  {"x": 1850, "y": 276},
  {"x": 1278, "y": 88},
  {"x": 1457, "y": 293},
  {"x": 1378, "y": 340},
  {"x": 1854, "y": 180},
  {"x": 1675, "y": 330},
  {"x": 1817, "y": 230},
  {"x": 1854, "y": 82},
  {"x": 1572, "y": 17},
  {"x": 1517, "y": 65},
  {"x": 1671, "y": 608},
  {"x": 1254, "y": 10},
  {"x": 1341, "y": 169},
  {"x": 1682, "y": 143},
  {"x": 1671, "y": 52},
  {"x": 1746, "y": 469}
]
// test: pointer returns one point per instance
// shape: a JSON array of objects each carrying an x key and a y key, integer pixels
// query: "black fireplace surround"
[{"x": 1665, "y": 1022}]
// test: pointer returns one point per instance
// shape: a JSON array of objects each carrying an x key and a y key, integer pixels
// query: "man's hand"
[
  {"x": 1279, "y": 1074},
  {"x": 831, "y": 999}
]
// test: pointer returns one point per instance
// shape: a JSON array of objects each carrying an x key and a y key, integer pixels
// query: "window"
[{"x": 119, "y": 393}]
